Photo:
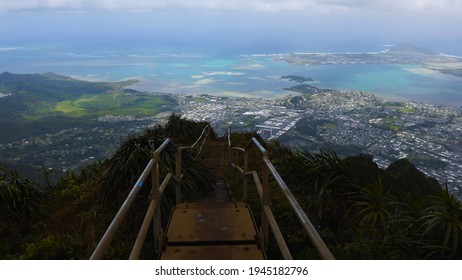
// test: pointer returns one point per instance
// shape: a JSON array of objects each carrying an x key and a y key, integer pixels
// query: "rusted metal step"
[
  {"x": 196, "y": 231},
  {"x": 213, "y": 227},
  {"x": 211, "y": 224},
  {"x": 202, "y": 204},
  {"x": 217, "y": 252}
]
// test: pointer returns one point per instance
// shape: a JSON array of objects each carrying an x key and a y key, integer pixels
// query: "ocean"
[{"x": 229, "y": 74}]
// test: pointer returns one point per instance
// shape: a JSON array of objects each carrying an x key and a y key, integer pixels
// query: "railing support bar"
[
  {"x": 277, "y": 234},
  {"x": 108, "y": 236},
  {"x": 147, "y": 221},
  {"x": 136, "y": 251},
  {"x": 246, "y": 167},
  {"x": 155, "y": 193},
  {"x": 265, "y": 202},
  {"x": 229, "y": 146},
  {"x": 263, "y": 189},
  {"x": 308, "y": 227},
  {"x": 178, "y": 175}
]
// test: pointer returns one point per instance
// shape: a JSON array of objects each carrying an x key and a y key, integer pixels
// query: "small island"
[
  {"x": 298, "y": 79},
  {"x": 404, "y": 54}
]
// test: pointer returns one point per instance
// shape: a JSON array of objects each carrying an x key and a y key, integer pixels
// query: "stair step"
[
  {"x": 191, "y": 225},
  {"x": 214, "y": 227},
  {"x": 219, "y": 204},
  {"x": 220, "y": 252}
]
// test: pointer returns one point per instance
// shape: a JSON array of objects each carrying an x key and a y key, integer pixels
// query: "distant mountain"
[{"x": 410, "y": 50}]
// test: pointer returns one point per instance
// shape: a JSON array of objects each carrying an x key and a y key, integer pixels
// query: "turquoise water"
[{"x": 235, "y": 75}]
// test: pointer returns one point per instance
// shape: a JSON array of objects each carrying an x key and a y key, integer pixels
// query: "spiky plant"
[
  {"x": 373, "y": 206},
  {"x": 124, "y": 168},
  {"x": 443, "y": 224},
  {"x": 183, "y": 130},
  {"x": 18, "y": 196},
  {"x": 412, "y": 209}
]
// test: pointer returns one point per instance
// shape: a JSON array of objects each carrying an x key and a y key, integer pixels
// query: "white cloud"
[
  {"x": 205, "y": 81},
  {"x": 225, "y": 73},
  {"x": 238, "y": 5}
]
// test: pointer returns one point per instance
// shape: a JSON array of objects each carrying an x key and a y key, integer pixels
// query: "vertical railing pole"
[
  {"x": 230, "y": 150},
  {"x": 246, "y": 167},
  {"x": 265, "y": 201},
  {"x": 178, "y": 175},
  {"x": 155, "y": 193}
]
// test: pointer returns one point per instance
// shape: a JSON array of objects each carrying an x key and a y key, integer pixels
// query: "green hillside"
[
  {"x": 361, "y": 210},
  {"x": 66, "y": 220},
  {"x": 37, "y": 103}
]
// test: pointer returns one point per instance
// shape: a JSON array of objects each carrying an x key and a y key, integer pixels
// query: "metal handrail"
[
  {"x": 268, "y": 219},
  {"x": 153, "y": 212},
  {"x": 205, "y": 130}
]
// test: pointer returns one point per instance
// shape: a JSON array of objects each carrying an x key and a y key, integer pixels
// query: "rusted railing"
[
  {"x": 268, "y": 220},
  {"x": 153, "y": 214}
]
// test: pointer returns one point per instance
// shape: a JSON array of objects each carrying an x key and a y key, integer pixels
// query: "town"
[
  {"x": 430, "y": 136},
  {"x": 347, "y": 121}
]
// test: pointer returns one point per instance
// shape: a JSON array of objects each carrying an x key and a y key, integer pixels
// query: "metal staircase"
[{"x": 214, "y": 227}]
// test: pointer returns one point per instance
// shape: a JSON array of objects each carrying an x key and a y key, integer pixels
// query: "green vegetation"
[
  {"x": 19, "y": 205},
  {"x": 32, "y": 95},
  {"x": 39, "y": 103},
  {"x": 36, "y": 97},
  {"x": 330, "y": 125},
  {"x": 407, "y": 110},
  {"x": 67, "y": 220},
  {"x": 305, "y": 89},
  {"x": 391, "y": 123},
  {"x": 113, "y": 103},
  {"x": 298, "y": 79},
  {"x": 360, "y": 210},
  {"x": 428, "y": 160}
]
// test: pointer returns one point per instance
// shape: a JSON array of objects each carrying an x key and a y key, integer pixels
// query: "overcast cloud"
[
  {"x": 443, "y": 6},
  {"x": 242, "y": 24}
]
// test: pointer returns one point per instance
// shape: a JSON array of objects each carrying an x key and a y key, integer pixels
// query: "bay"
[{"x": 232, "y": 74}]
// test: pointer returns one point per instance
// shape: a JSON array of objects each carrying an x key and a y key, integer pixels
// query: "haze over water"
[
  {"x": 230, "y": 74},
  {"x": 210, "y": 46}
]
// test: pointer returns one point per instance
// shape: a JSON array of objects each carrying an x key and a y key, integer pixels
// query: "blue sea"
[{"x": 255, "y": 74}]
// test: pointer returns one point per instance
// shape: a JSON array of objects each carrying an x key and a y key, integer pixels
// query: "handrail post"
[
  {"x": 230, "y": 150},
  {"x": 178, "y": 174},
  {"x": 245, "y": 183},
  {"x": 265, "y": 200},
  {"x": 155, "y": 193}
]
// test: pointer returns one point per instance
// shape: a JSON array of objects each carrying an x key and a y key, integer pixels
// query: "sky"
[{"x": 239, "y": 25}]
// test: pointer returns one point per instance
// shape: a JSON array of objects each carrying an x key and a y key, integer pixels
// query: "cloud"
[
  {"x": 7, "y": 49},
  {"x": 254, "y": 66},
  {"x": 197, "y": 76},
  {"x": 236, "y": 5},
  {"x": 205, "y": 81},
  {"x": 224, "y": 73}
]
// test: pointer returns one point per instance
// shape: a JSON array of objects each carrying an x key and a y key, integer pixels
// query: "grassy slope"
[
  {"x": 40, "y": 96},
  {"x": 38, "y": 103},
  {"x": 112, "y": 103}
]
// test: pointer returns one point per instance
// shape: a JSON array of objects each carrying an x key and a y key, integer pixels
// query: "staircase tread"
[
  {"x": 221, "y": 252},
  {"x": 211, "y": 224}
]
